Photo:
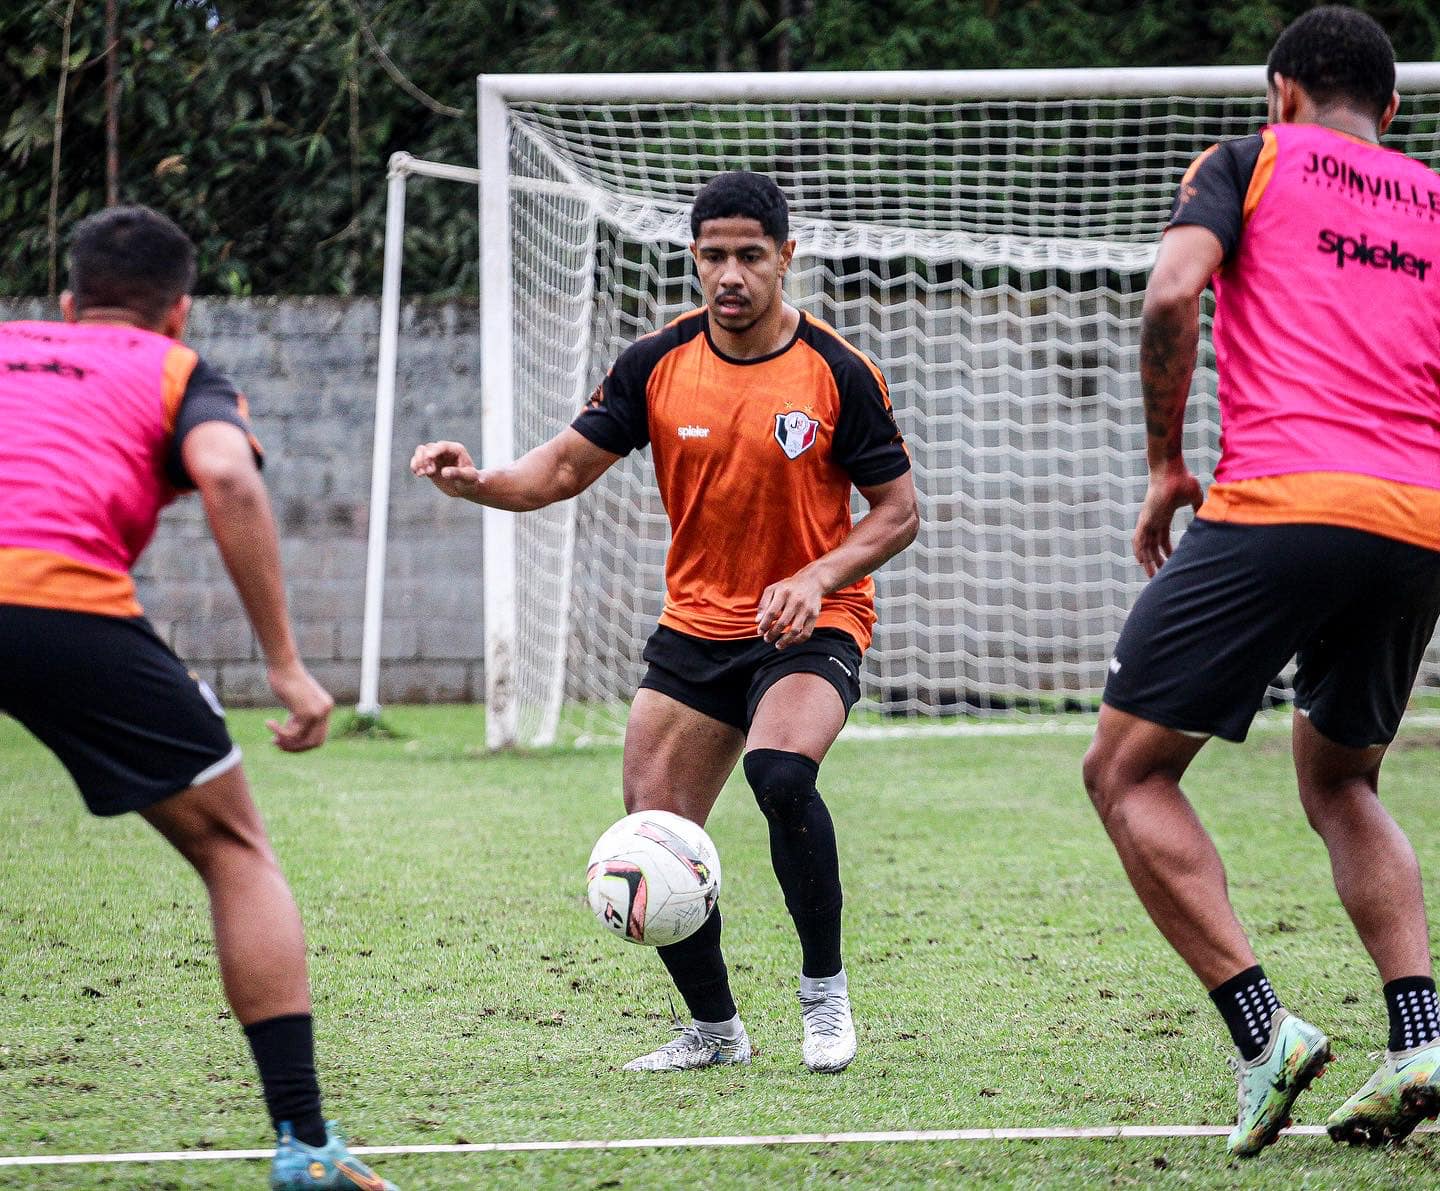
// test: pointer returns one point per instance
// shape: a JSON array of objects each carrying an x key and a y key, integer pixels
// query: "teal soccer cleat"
[
  {"x": 299, "y": 1167},
  {"x": 1296, "y": 1054},
  {"x": 1404, "y": 1092}
]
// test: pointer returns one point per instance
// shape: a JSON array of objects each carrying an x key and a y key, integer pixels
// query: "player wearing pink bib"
[
  {"x": 1319, "y": 540},
  {"x": 104, "y": 419}
]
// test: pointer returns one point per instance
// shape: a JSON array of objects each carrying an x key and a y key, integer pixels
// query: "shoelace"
[
  {"x": 824, "y": 1013},
  {"x": 686, "y": 1038}
]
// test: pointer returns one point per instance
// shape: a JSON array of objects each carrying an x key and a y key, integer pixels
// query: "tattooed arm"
[{"x": 1169, "y": 336}]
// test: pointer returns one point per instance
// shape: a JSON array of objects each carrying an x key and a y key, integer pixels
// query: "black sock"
[
  {"x": 284, "y": 1050},
  {"x": 1247, "y": 1003},
  {"x": 1414, "y": 1012},
  {"x": 697, "y": 966},
  {"x": 802, "y": 849}
]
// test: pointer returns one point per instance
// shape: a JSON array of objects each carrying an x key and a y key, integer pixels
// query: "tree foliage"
[{"x": 264, "y": 126}]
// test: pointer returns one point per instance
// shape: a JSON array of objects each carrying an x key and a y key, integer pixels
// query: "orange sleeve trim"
[
  {"x": 44, "y": 579},
  {"x": 1197, "y": 163},
  {"x": 180, "y": 362},
  {"x": 1264, "y": 171}
]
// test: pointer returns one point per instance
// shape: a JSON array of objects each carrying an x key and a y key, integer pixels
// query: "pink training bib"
[
  {"x": 1327, "y": 318},
  {"x": 86, "y": 414}
]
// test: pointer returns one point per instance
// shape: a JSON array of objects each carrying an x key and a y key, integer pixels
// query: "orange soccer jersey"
[{"x": 755, "y": 460}]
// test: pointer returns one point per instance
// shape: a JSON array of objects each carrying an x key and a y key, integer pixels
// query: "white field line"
[
  {"x": 1265, "y": 721},
  {"x": 1097, "y": 1133}
]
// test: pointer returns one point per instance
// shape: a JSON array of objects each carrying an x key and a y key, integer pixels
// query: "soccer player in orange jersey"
[
  {"x": 1319, "y": 540},
  {"x": 760, "y": 419}
]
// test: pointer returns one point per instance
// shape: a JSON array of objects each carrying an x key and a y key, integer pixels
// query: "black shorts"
[
  {"x": 109, "y": 698},
  {"x": 727, "y": 679},
  {"x": 1235, "y": 603}
]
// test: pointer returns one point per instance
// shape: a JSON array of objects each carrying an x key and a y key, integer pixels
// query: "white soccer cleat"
[
  {"x": 691, "y": 1048},
  {"x": 829, "y": 1029}
]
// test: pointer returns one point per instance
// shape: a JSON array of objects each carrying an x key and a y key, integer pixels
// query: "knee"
[
  {"x": 643, "y": 790},
  {"x": 1109, "y": 777},
  {"x": 215, "y": 845},
  {"x": 1330, "y": 801},
  {"x": 783, "y": 783},
  {"x": 1097, "y": 772}
]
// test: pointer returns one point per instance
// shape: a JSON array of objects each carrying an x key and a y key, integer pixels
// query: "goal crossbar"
[{"x": 1114, "y": 82}]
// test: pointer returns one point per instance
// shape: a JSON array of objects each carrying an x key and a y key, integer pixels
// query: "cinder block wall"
[{"x": 307, "y": 367}]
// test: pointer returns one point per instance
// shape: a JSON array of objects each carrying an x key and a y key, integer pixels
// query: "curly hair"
[
  {"x": 1337, "y": 54},
  {"x": 746, "y": 195}
]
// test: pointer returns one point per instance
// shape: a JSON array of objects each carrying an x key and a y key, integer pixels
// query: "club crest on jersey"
[{"x": 795, "y": 432}]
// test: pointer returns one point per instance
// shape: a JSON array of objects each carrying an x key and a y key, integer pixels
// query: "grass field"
[{"x": 1002, "y": 971}]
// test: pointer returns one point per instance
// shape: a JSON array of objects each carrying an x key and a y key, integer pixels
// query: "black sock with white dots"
[
  {"x": 1414, "y": 1012},
  {"x": 1247, "y": 1003}
]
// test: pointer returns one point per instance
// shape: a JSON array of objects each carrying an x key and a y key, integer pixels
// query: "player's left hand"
[
  {"x": 788, "y": 610},
  {"x": 1171, "y": 489}
]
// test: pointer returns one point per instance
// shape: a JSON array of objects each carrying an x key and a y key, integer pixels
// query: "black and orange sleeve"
[
  {"x": 867, "y": 442},
  {"x": 208, "y": 397},
  {"x": 617, "y": 416},
  {"x": 1213, "y": 192}
]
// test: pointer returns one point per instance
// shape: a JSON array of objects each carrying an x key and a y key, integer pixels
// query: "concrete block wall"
[{"x": 307, "y": 367}]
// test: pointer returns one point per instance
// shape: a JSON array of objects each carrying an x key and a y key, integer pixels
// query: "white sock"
[
  {"x": 728, "y": 1030},
  {"x": 813, "y": 985}
]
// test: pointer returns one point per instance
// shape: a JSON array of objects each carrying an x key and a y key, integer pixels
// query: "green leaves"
[{"x": 236, "y": 116}]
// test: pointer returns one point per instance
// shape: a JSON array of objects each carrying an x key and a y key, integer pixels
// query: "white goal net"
[{"x": 985, "y": 237}]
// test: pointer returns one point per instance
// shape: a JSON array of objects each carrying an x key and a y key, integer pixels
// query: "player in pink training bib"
[
  {"x": 104, "y": 419},
  {"x": 1318, "y": 541}
]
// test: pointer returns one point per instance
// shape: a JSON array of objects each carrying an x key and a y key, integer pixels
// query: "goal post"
[{"x": 985, "y": 236}]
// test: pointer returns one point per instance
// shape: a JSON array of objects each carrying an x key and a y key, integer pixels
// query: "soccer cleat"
[
  {"x": 691, "y": 1048},
  {"x": 1401, "y": 1094},
  {"x": 1295, "y": 1055},
  {"x": 301, "y": 1167},
  {"x": 829, "y": 1029}
]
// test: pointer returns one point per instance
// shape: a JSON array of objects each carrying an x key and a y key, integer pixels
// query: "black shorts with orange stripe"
[
  {"x": 1235, "y": 603},
  {"x": 124, "y": 715}
]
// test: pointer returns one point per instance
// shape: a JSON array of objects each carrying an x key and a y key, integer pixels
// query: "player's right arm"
[
  {"x": 555, "y": 470},
  {"x": 614, "y": 421},
  {"x": 1169, "y": 338},
  {"x": 1207, "y": 220}
]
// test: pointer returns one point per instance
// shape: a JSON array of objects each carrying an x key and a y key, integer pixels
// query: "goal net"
[{"x": 984, "y": 236}]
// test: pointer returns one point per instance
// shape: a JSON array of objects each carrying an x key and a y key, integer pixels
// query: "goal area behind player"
[{"x": 984, "y": 236}]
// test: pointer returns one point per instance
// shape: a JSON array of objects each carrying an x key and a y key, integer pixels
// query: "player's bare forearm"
[
  {"x": 1188, "y": 257},
  {"x": 218, "y": 458},
  {"x": 1169, "y": 337},
  {"x": 555, "y": 470},
  {"x": 891, "y": 524},
  {"x": 788, "y": 609}
]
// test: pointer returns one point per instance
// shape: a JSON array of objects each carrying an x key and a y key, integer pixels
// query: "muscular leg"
[
  {"x": 1132, "y": 773},
  {"x": 677, "y": 759},
  {"x": 258, "y": 934},
  {"x": 795, "y": 724},
  {"x": 1375, "y": 870},
  {"x": 258, "y": 937}
]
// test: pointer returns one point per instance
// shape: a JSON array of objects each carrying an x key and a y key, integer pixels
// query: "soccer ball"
[{"x": 653, "y": 878}]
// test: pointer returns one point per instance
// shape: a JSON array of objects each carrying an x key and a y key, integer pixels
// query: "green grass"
[{"x": 1003, "y": 972}]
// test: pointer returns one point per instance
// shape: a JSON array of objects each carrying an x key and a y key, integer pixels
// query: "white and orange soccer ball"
[{"x": 653, "y": 878}]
